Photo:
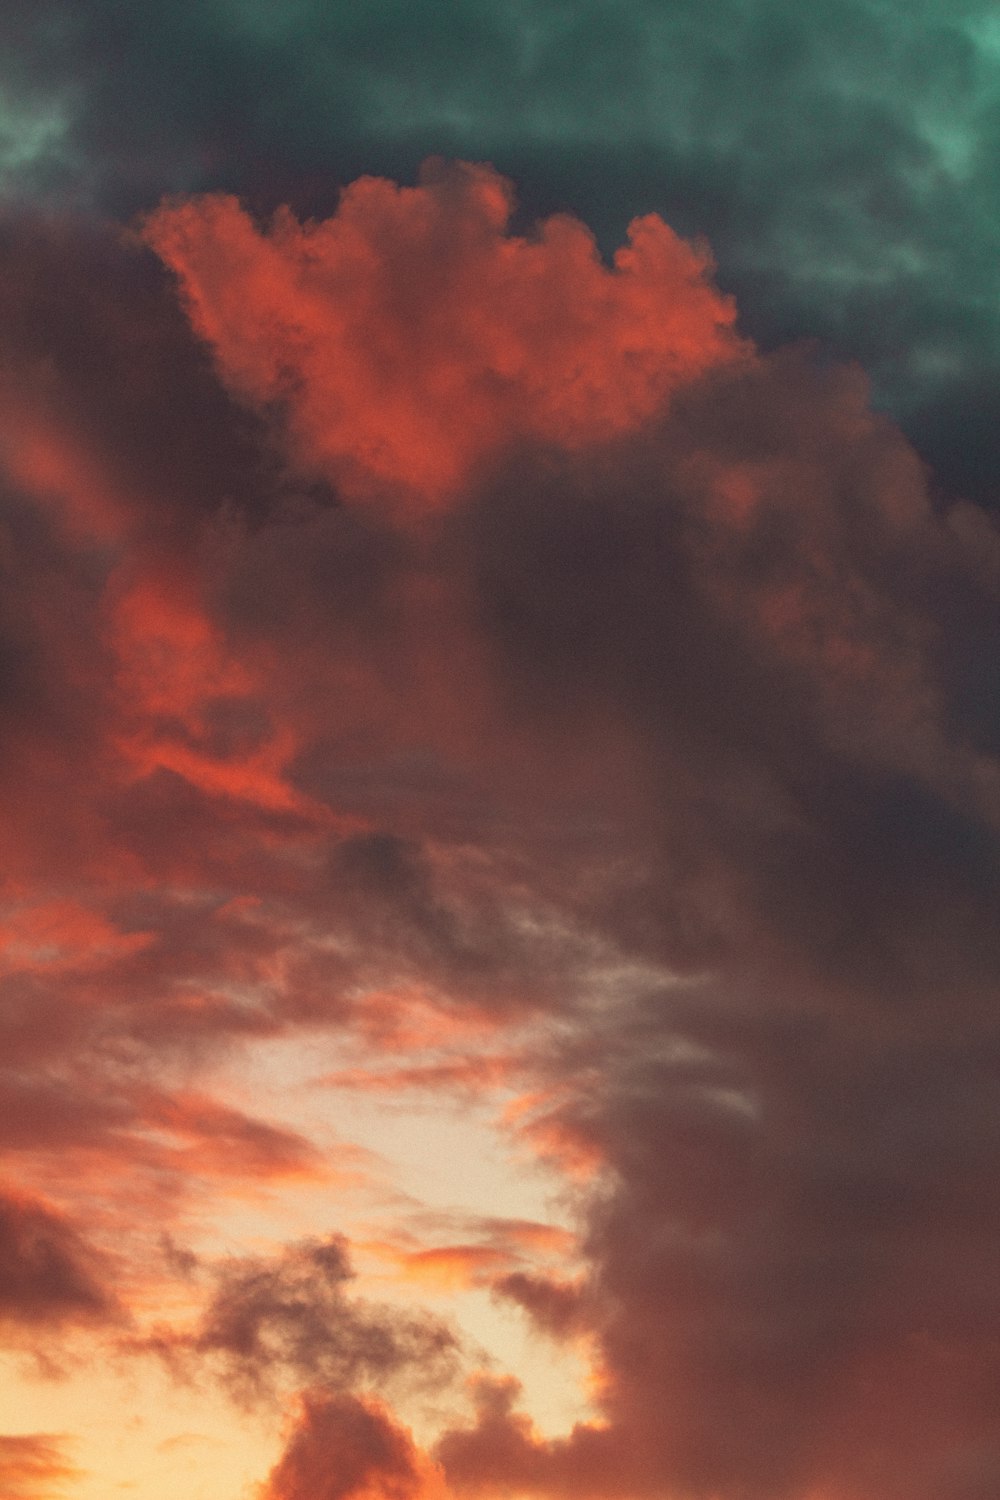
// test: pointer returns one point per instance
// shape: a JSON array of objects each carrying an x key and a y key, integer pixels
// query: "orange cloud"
[
  {"x": 63, "y": 935},
  {"x": 504, "y": 1246},
  {"x": 548, "y": 1239},
  {"x": 553, "y": 1136},
  {"x": 226, "y": 1143},
  {"x": 33, "y": 1466},
  {"x": 455, "y": 1266},
  {"x": 410, "y": 336}
]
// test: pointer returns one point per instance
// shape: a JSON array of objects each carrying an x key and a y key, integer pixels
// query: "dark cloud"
[
  {"x": 391, "y": 881},
  {"x": 97, "y": 359},
  {"x": 49, "y": 1275},
  {"x": 503, "y": 1450},
  {"x": 422, "y": 914},
  {"x": 758, "y": 595},
  {"x": 288, "y": 1319},
  {"x": 794, "y": 1277},
  {"x": 557, "y": 1308}
]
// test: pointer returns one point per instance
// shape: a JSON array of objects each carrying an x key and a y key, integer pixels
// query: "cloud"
[
  {"x": 49, "y": 1275},
  {"x": 748, "y": 591},
  {"x": 342, "y": 1446},
  {"x": 454, "y": 339},
  {"x": 287, "y": 1319},
  {"x": 789, "y": 1278},
  {"x": 33, "y": 1466},
  {"x": 503, "y": 1450},
  {"x": 556, "y": 1307},
  {"x": 455, "y": 1251},
  {"x": 225, "y": 1142},
  {"x": 670, "y": 735}
]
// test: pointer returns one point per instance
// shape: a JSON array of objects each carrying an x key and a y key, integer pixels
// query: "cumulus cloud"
[
  {"x": 342, "y": 1446},
  {"x": 410, "y": 335}
]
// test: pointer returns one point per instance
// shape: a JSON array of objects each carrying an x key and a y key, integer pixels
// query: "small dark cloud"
[
  {"x": 290, "y": 1319},
  {"x": 557, "y": 1308}
]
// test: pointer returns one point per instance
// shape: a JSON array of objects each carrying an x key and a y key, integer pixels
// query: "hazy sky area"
[{"x": 499, "y": 750}]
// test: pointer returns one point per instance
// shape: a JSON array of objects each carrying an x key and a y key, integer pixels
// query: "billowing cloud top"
[{"x": 410, "y": 336}]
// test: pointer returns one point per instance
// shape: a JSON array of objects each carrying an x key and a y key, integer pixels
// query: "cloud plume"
[{"x": 646, "y": 792}]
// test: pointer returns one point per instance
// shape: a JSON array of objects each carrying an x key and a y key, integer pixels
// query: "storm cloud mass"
[
  {"x": 498, "y": 641},
  {"x": 840, "y": 160}
]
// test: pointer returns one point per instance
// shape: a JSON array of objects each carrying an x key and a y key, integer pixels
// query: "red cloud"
[
  {"x": 224, "y": 1142},
  {"x": 63, "y": 935},
  {"x": 410, "y": 335},
  {"x": 344, "y": 1447}
]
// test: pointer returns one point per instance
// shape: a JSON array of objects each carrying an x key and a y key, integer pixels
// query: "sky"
[{"x": 499, "y": 750}]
